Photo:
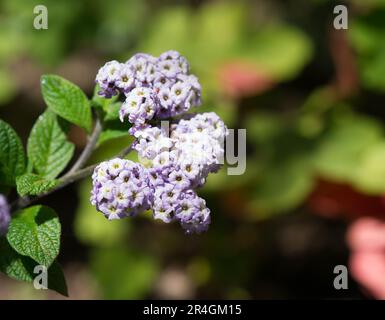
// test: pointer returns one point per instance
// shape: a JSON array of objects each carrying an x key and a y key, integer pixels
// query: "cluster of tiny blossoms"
[
  {"x": 178, "y": 157},
  {"x": 120, "y": 188},
  {"x": 153, "y": 87},
  {"x": 5, "y": 216}
]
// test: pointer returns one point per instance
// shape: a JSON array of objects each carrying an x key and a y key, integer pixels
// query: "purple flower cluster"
[
  {"x": 177, "y": 159},
  {"x": 178, "y": 162},
  {"x": 181, "y": 160},
  {"x": 153, "y": 87},
  {"x": 120, "y": 189},
  {"x": 194, "y": 146},
  {"x": 176, "y": 202},
  {"x": 5, "y": 216},
  {"x": 123, "y": 188}
]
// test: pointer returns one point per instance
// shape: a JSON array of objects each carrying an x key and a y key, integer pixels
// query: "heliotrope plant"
[{"x": 154, "y": 98}]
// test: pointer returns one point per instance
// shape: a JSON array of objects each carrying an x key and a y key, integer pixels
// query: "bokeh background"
[{"x": 312, "y": 100}]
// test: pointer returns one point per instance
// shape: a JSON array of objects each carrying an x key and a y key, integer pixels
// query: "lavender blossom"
[
  {"x": 169, "y": 89},
  {"x": 192, "y": 213},
  {"x": 174, "y": 204},
  {"x": 107, "y": 77},
  {"x": 194, "y": 146},
  {"x": 120, "y": 189}
]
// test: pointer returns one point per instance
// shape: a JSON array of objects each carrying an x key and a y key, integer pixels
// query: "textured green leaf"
[
  {"x": 13, "y": 264},
  {"x": 21, "y": 268},
  {"x": 33, "y": 184},
  {"x": 35, "y": 232},
  {"x": 6, "y": 178},
  {"x": 48, "y": 148},
  {"x": 67, "y": 100},
  {"x": 12, "y": 158}
]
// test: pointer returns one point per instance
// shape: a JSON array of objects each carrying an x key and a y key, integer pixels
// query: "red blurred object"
[
  {"x": 240, "y": 79},
  {"x": 331, "y": 199},
  {"x": 366, "y": 234},
  {"x": 366, "y": 239}
]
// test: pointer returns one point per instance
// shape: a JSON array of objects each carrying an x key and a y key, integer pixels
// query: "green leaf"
[
  {"x": 21, "y": 268},
  {"x": 113, "y": 129},
  {"x": 111, "y": 134},
  {"x": 282, "y": 186},
  {"x": 13, "y": 264},
  {"x": 214, "y": 16},
  {"x": 370, "y": 174},
  {"x": 33, "y": 184},
  {"x": 67, "y": 100},
  {"x": 56, "y": 279},
  {"x": 112, "y": 111},
  {"x": 340, "y": 153},
  {"x": 366, "y": 33},
  {"x": 35, "y": 232},
  {"x": 48, "y": 148},
  {"x": 266, "y": 47},
  {"x": 6, "y": 179},
  {"x": 12, "y": 158}
]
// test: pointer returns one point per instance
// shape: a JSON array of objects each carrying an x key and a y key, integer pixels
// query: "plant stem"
[
  {"x": 90, "y": 147},
  {"x": 67, "y": 179}
]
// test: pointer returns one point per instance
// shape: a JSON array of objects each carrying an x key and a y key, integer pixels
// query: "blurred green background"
[{"x": 311, "y": 98}]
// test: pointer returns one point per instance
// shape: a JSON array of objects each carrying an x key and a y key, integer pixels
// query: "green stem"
[{"x": 90, "y": 147}]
